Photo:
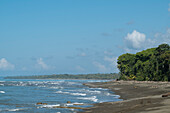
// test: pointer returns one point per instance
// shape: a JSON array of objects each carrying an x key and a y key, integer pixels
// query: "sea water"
[{"x": 58, "y": 96}]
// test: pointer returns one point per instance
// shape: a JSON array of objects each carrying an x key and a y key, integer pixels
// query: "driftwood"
[
  {"x": 40, "y": 103},
  {"x": 166, "y": 95}
]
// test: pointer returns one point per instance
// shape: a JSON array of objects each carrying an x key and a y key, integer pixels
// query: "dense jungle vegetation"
[{"x": 149, "y": 65}]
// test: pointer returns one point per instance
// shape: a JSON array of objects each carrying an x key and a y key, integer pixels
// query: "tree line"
[
  {"x": 149, "y": 65},
  {"x": 69, "y": 76}
]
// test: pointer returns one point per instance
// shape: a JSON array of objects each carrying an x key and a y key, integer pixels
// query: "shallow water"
[{"x": 22, "y": 95}]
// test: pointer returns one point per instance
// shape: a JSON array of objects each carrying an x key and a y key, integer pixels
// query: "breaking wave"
[{"x": 2, "y": 91}]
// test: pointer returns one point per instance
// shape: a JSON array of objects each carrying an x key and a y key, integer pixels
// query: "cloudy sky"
[{"x": 77, "y": 36}]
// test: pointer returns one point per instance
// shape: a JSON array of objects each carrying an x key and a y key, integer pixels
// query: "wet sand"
[{"x": 138, "y": 97}]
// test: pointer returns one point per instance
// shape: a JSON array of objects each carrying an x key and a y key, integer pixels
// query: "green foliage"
[
  {"x": 69, "y": 76},
  {"x": 132, "y": 77},
  {"x": 151, "y": 64},
  {"x": 139, "y": 78}
]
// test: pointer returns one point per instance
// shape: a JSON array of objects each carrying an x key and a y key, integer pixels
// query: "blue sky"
[{"x": 77, "y": 36}]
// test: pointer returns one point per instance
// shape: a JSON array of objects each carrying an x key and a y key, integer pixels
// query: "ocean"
[{"x": 50, "y": 96}]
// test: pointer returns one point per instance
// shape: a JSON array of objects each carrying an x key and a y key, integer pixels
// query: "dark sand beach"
[{"x": 138, "y": 97}]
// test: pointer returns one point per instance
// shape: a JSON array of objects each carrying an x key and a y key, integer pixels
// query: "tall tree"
[{"x": 150, "y": 64}]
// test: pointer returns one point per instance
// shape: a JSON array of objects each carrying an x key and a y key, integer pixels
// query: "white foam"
[
  {"x": 117, "y": 96},
  {"x": 68, "y": 104},
  {"x": 14, "y": 109},
  {"x": 78, "y": 94},
  {"x": 95, "y": 91},
  {"x": 50, "y": 106},
  {"x": 77, "y": 103},
  {"x": 91, "y": 91},
  {"x": 99, "y": 88},
  {"x": 2, "y": 91},
  {"x": 71, "y": 104},
  {"x": 54, "y": 87},
  {"x": 71, "y": 83},
  {"x": 93, "y": 98},
  {"x": 108, "y": 94},
  {"x": 55, "y": 83},
  {"x": 62, "y": 92}
]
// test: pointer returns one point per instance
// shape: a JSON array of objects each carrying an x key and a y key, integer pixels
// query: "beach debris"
[
  {"x": 78, "y": 104},
  {"x": 149, "y": 101},
  {"x": 166, "y": 95},
  {"x": 141, "y": 102},
  {"x": 135, "y": 87},
  {"x": 117, "y": 79},
  {"x": 40, "y": 103}
]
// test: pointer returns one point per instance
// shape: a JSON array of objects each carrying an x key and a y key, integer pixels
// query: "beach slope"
[{"x": 138, "y": 97}]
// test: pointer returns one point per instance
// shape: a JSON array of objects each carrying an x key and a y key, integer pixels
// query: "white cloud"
[
  {"x": 5, "y": 65},
  {"x": 24, "y": 69},
  {"x": 106, "y": 58},
  {"x": 169, "y": 7},
  {"x": 168, "y": 31},
  {"x": 101, "y": 67},
  {"x": 82, "y": 54},
  {"x": 79, "y": 68},
  {"x": 41, "y": 64},
  {"x": 135, "y": 40},
  {"x": 112, "y": 60},
  {"x": 108, "y": 52},
  {"x": 161, "y": 38},
  {"x": 140, "y": 42},
  {"x": 112, "y": 63},
  {"x": 165, "y": 38}
]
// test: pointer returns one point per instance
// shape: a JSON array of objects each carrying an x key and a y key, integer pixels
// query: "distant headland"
[{"x": 69, "y": 76}]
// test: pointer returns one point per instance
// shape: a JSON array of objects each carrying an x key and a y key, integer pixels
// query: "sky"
[{"x": 40, "y": 37}]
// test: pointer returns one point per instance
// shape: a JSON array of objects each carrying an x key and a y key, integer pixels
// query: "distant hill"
[
  {"x": 69, "y": 76},
  {"x": 151, "y": 65}
]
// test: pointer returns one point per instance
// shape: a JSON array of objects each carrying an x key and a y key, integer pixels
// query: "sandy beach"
[{"x": 138, "y": 97}]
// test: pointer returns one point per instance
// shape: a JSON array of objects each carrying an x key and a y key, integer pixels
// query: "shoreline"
[{"x": 138, "y": 97}]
